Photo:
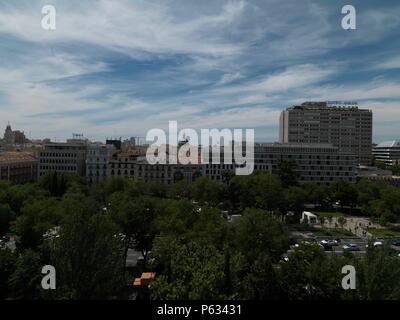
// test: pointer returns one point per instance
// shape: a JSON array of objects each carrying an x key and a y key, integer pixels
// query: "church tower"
[{"x": 8, "y": 135}]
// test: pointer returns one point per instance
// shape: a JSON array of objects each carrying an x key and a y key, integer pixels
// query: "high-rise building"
[
  {"x": 341, "y": 124},
  {"x": 387, "y": 152}
]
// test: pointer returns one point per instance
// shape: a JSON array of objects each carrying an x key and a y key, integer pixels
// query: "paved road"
[{"x": 360, "y": 242}]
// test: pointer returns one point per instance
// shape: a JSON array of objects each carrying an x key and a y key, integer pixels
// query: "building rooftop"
[
  {"x": 295, "y": 145},
  {"x": 11, "y": 157},
  {"x": 331, "y": 105},
  {"x": 389, "y": 144}
]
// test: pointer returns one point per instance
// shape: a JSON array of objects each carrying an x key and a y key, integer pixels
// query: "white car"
[
  {"x": 376, "y": 244},
  {"x": 329, "y": 242},
  {"x": 351, "y": 247}
]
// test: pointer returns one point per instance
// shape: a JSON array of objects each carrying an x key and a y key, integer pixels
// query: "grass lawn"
[
  {"x": 327, "y": 214},
  {"x": 338, "y": 232},
  {"x": 384, "y": 232}
]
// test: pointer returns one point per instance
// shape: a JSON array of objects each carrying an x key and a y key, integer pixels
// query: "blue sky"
[{"x": 120, "y": 68}]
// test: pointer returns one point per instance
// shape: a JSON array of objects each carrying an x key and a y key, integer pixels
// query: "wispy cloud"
[{"x": 123, "y": 67}]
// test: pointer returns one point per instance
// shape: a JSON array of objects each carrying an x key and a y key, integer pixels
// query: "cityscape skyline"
[{"x": 224, "y": 64}]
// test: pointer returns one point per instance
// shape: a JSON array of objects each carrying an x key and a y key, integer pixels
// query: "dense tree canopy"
[{"x": 185, "y": 235}]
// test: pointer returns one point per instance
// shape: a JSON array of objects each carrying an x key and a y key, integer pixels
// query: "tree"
[
  {"x": 322, "y": 220},
  {"x": 391, "y": 198},
  {"x": 176, "y": 218},
  {"x": 25, "y": 281},
  {"x": 311, "y": 274},
  {"x": 6, "y": 217},
  {"x": 344, "y": 192},
  {"x": 262, "y": 282},
  {"x": 88, "y": 254},
  {"x": 378, "y": 275},
  {"x": 136, "y": 219},
  {"x": 210, "y": 228},
  {"x": 367, "y": 191},
  {"x": 7, "y": 267},
  {"x": 179, "y": 190},
  {"x": 257, "y": 233},
  {"x": 286, "y": 171},
  {"x": 196, "y": 272},
  {"x": 17, "y": 195},
  {"x": 206, "y": 190},
  {"x": 58, "y": 183},
  {"x": 104, "y": 190},
  {"x": 259, "y": 190},
  {"x": 342, "y": 221},
  {"x": 295, "y": 199},
  {"x": 36, "y": 219},
  {"x": 380, "y": 165},
  {"x": 395, "y": 169},
  {"x": 316, "y": 194},
  {"x": 330, "y": 219}
]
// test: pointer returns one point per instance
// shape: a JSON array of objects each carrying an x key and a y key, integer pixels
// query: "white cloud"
[
  {"x": 234, "y": 63},
  {"x": 390, "y": 63}
]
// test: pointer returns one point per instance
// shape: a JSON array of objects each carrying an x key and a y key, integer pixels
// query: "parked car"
[
  {"x": 396, "y": 243},
  {"x": 351, "y": 247},
  {"x": 330, "y": 242},
  {"x": 376, "y": 244}
]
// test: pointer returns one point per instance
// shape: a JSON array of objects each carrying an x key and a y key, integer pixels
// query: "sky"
[{"x": 120, "y": 68}]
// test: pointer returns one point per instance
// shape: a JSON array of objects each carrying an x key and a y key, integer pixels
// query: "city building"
[
  {"x": 61, "y": 157},
  {"x": 11, "y": 137},
  {"x": 18, "y": 167},
  {"x": 98, "y": 158},
  {"x": 341, "y": 124},
  {"x": 8, "y": 135},
  {"x": 117, "y": 143},
  {"x": 378, "y": 175},
  {"x": 19, "y": 137},
  {"x": 319, "y": 163},
  {"x": 387, "y": 152}
]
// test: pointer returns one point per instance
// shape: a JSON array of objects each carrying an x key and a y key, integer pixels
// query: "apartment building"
[
  {"x": 98, "y": 158},
  {"x": 130, "y": 165},
  {"x": 319, "y": 163},
  {"x": 341, "y": 124},
  {"x": 18, "y": 167},
  {"x": 69, "y": 157},
  {"x": 387, "y": 152}
]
